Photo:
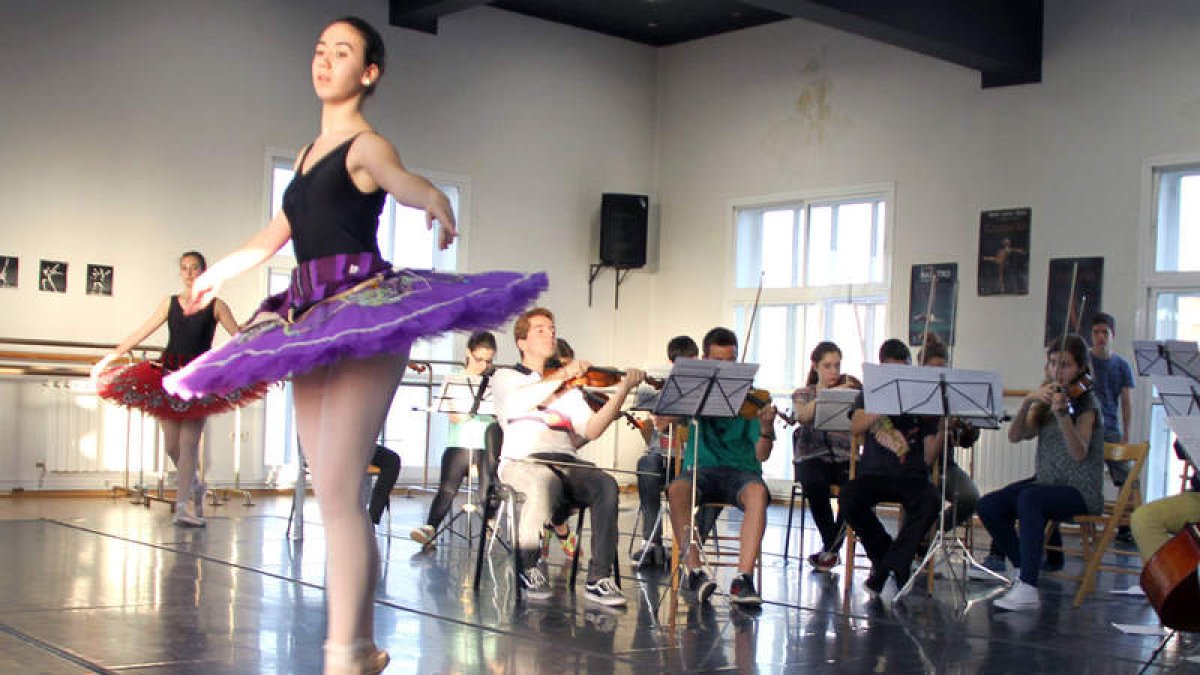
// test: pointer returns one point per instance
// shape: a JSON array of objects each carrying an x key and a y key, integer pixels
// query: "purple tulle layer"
[{"x": 353, "y": 306}]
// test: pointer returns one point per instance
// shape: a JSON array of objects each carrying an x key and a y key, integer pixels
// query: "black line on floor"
[{"x": 60, "y": 652}]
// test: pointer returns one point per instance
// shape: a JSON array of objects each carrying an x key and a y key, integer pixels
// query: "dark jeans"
[
  {"x": 817, "y": 476},
  {"x": 1031, "y": 504},
  {"x": 921, "y": 503},
  {"x": 456, "y": 462},
  {"x": 389, "y": 470}
]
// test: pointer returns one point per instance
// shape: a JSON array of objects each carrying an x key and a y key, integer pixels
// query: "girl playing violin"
[
  {"x": 821, "y": 458},
  {"x": 1063, "y": 417}
]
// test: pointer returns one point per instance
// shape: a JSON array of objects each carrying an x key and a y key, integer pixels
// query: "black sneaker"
[
  {"x": 742, "y": 591},
  {"x": 875, "y": 582},
  {"x": 605, "y": 592},
  {"x": 537, "y": 586},
  {"x": 701, "y": 585}
]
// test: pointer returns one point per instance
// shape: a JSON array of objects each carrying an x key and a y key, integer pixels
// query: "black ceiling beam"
[
  {"x": 423, "y": 15},
  {"x": 1002, "y": 39}
]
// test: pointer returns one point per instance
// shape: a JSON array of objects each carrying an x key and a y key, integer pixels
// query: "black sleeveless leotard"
[
  {"x": 188, "y": 336},
  {"x": 327, "y": 212}
]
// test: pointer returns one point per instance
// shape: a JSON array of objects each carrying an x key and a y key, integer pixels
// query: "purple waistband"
[{"x": 317, "y": 279}]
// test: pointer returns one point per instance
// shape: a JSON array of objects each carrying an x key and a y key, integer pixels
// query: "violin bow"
[{"x": 753, "y": 314}]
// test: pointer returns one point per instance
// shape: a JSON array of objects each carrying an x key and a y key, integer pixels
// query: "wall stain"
[{"x": 811, "y": 120}]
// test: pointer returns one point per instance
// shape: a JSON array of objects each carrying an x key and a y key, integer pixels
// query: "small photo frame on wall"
[
  {"x": 8, "y": 271},
  {"x": 100, "y": 280},
  {"x": 1004, "y": 252},
  {"x": 1088, "y": 297},
  {"x": 932, "y": 302},
  {"x": 52, "y": 276}
]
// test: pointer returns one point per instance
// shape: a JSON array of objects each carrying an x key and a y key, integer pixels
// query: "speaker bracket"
[{"x": 619, "y": 278}]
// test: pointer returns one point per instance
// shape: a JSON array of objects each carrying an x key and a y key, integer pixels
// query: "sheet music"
[
  {"x": 685, "y": 388},
  {"x": 891, "y": 389},
  {"x": 832, "y": 412},
  {"x": 1151, "y": 357},
  {"x": 457, "y": 396}
]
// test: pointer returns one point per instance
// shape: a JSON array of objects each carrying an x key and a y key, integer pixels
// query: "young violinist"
[
  {"x": 727, "y": 466},
  {"x": 1064, "y": 419},
  {"x": 465, "y": 441},
  {"x": 543, "y": 428},
  {"x": 822, "y": 458},
  {"x": 897, "y": 453},
  {"x": 654, "y": 472}
]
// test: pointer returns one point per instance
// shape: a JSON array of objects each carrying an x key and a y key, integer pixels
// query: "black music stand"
[
  {"x": 462, "y": 395},
  {"x": 695, "y": 389},
  {"x": 1167, "y": 357},
  {"x": 973, "y": 395}
]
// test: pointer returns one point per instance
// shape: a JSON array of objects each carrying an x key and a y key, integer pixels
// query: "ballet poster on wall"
[
  {"x": 932, "y": 302},
  {"x": 8, "y": 271},
  {"x": 52, "y": 276},
  {"x": 99, "y": 280},
  {"x": 1088, "y": 274},
  {"x": 1004, "y": 252}
]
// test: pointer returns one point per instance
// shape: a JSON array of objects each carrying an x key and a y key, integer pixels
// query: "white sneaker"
[
  {"x": 1020, "y": 597},
  {"x": 185, "y": 516},
  {"x": 606, "y": 592}
]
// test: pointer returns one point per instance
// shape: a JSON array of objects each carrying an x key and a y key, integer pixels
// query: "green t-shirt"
[{"x": 725, "y": 441}]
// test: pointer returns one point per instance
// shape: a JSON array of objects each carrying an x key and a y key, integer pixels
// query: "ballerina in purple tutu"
[{"x": 343, "y": 329}]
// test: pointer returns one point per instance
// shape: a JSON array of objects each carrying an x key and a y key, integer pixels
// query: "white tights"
[
  {"x": 182, "y": 444},
  {"x": 339, "y": 411}
]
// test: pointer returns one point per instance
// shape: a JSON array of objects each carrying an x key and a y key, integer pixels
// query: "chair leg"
[
  {"x": 1088, "y": 583},
  {"x": 575, "y": 560},
  {"x": 787, "y": 532}
]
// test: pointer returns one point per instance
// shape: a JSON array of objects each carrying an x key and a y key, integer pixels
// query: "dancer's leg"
[
  {"x": 340, "y": 409},
  {"x": 187, "y": 458}
]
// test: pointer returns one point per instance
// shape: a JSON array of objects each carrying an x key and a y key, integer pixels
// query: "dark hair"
[
  {"x": 819, "y": 353},
  {"x": 198, "y": 256},
  {"x": 562, "y": 349},
  {"x": 374, "y": 51},
  {"x": 933, "y": 348},
  {"x": 682, "y": 346},
  {"x": 481, "y": 339},
  {"x": 722, "y": 337},
  {"x": 894, "y": 350},
  {"x": 1106, "y": 319},
  {"x": 1073, "y": 345}
]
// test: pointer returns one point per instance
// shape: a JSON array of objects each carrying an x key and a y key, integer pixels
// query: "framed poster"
[
  {"x": 932, "y": 302},
  {"x": 1089, "y": 278},
  {"x": 8, "y": 271},
  {"x": 52, "y": 276},
  {"x": 99, "y": 280},
  {"x": 1004, "y": 252}
]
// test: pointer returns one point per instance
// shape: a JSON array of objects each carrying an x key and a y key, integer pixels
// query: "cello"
[{"x": 1171, "y": 582}]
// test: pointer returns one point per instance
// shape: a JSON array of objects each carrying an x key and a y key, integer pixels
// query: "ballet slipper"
[{"x": 360, "y": 657}]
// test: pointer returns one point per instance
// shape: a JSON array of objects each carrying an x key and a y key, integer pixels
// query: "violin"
[
  {"x": 1074, "y": 389},
  {"x": 600, "y": 377},
  {"x": 756, "y": 400}
]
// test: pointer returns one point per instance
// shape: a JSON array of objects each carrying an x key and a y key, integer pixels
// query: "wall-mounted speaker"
[{"x": 623, "y": 230}]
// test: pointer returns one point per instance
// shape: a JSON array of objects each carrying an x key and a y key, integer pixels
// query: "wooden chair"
[{"x": 1097, "y": 533}]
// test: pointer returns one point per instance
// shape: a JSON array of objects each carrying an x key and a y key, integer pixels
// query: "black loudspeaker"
[{"x": 623, "y": 230}]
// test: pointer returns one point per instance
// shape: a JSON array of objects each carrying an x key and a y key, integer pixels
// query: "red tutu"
[{"x": 139, "y": 386}]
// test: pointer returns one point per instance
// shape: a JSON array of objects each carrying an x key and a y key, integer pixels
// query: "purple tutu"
[{"x": 353, "y": 306}]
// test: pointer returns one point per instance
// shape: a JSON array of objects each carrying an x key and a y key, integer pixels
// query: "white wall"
[
  {"x": 135, "y": 130},
  {"x": 797, "y": 107}
]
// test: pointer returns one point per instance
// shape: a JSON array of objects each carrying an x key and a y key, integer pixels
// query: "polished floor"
[{"x": 99, "y": 585}]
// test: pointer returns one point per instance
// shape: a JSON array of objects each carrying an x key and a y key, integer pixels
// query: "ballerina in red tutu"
[
  {"x": 139, "y": 386},
  {"x": 343, "y": 328}
]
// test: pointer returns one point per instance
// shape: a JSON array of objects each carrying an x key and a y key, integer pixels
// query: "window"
[
  {"x": 405, "y": 242},
  {"x": 1172, "y": 292},
  {"x": 823, "y": 265}
]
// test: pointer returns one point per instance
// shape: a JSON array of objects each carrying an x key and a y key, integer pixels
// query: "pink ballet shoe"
[{"x": 360, "y": 657}]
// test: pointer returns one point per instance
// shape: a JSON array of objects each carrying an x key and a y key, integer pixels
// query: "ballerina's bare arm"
[
  {"x": 224, "y": 316},
  {"x": 258, "y": 248},
  {"x": 156, "y": 320},
  {"x": 375, "y": 157}
]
